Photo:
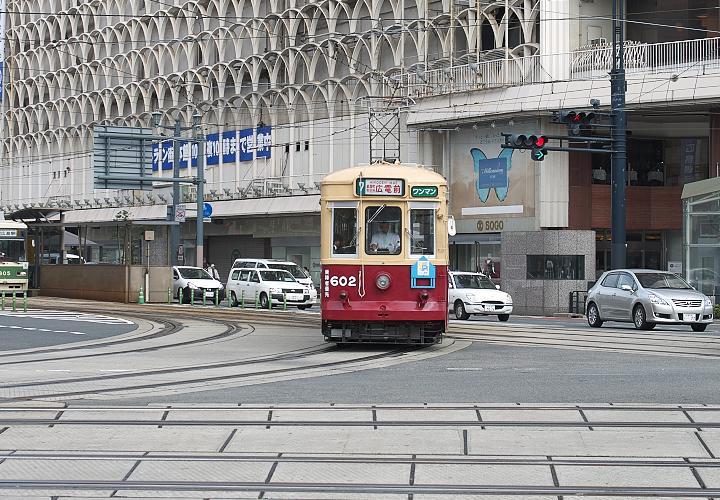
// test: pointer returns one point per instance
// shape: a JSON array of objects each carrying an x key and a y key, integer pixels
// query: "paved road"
[{"x": 38, "y": 328}]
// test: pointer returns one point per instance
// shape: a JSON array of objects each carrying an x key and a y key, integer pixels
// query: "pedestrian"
[{"x": 214, "y": 272}]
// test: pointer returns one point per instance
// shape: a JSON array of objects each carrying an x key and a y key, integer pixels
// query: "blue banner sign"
[
  {"x": 229, "y": 146},
  {"x": 162, "y": 156},
  {"x": 212, "y": 149},
  {"x": 247, "y": 143},
  {"x": 263, "y": 142}
]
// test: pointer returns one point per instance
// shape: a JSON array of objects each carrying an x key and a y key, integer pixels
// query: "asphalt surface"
[
  {"x": 491, "y": 373},
  {"x": 39, "y": 328}
]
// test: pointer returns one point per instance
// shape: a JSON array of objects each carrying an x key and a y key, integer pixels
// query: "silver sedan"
[{"x": 647, "y": 298}]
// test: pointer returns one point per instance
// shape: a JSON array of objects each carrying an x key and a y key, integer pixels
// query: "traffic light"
[
  {"x": 539, "y": 152},
  {"x": 574, "y": 120},
  {"x": 536, "y": 143}
]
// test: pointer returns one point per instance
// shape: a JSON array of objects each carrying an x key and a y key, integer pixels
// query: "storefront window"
[
  {"x": 479, "y": 253},
  {"x": 344, "y": 231},
  {"x": 556, "y": 267},
  {"x": 383, "y": 229},
  {"x": 422, "y": 231}
]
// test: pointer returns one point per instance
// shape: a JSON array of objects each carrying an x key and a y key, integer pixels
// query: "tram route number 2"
[
  {"x": 490, "y": 226},
  {"x": 331, "y": 281}
]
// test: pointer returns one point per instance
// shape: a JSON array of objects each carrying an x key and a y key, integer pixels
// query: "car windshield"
[
  {"x": 277, "y": 276},
  {"x": 475, "y": 281},
  {"x": 294, "y": 269},
  {"x": 662, "y": 280},
  {"x": 194, "y": 273}
]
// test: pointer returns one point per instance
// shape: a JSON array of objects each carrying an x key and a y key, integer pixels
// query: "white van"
[
  {"x": 297, "y": 272},
  {"x": 267, "y": 286}
]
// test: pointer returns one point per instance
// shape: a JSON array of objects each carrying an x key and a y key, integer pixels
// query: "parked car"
[
  {"x": 297, "y": 272},
  {"x": 70, "y": 258},
  {"x": 475, "y": 293},
  {"x": 646, "y": 298},
  {"x": 195, "y": 282},
  {"x": 268, "y": 287}
]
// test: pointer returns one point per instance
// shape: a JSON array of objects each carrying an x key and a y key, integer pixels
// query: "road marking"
[{"x": 66, "y": 316}]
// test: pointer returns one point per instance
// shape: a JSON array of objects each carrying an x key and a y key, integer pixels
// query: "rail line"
[{"x": 217, "y": 378}]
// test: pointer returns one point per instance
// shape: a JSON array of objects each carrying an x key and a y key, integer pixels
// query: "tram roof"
[{"x": 416, "y": 174}]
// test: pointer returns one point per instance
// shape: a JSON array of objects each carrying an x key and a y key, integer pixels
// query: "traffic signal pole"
[{"x": 619, "y": 137}]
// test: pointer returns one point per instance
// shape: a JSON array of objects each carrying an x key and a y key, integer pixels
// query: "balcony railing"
[{"x": 593, "y": 62}]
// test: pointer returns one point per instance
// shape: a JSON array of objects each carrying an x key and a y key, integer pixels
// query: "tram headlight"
[{"x": 382, "y": 282}]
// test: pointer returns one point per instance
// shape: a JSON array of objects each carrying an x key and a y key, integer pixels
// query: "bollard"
[
  {"x": 269, "y": 302},
  {"x": 242, "y": 299},
  {"x": 227, "y": 296},
  {"x": 169, "y": 296},
  {"x": 203, "y": 294},
  {"x": 25, "y": 298},
  {"x": 257, "y": 299},
  {"x": 192, "y": 297},
  {"x": 217, "y": 296},
  {"x": 284, "y": 301},
  {"x": 141, "y": 296},
  {"x": 14, "y": 308},
  {"x": 3, "y": 301}
]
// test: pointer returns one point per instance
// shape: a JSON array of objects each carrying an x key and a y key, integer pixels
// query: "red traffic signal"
[{"x": 540, "y": 141}]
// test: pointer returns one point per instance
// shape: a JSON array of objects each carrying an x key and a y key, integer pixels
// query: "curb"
[{"x": 568, "y": 315}]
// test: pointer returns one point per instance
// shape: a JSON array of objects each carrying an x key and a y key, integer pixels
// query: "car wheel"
[
  {"x": 698, "y": 327},
  {"x": 233, "y": 300},
  {"x": 639, "y": 318},
  {"x": 650, "y": 326},
  {"x": 593, "y": 316},
  {"x": 460, "y": 310},
  {"x": 503, "y": 317},
  {"x": 264, "y": 301}
]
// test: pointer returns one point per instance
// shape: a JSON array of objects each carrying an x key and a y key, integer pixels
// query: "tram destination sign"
[
  {"x": 424, "y": 191},
  {"x": 8, "y": 233},
  {"x": 379, "y": 187}
]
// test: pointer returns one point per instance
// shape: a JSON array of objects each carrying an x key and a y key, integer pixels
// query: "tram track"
[{"x": 198, "y": 380}]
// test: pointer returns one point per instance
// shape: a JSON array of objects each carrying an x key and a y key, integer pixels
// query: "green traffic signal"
[{"x": 538, "y": 154}]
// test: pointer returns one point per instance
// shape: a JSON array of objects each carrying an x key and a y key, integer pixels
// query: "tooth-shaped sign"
[{"x": 492, "y": 173}]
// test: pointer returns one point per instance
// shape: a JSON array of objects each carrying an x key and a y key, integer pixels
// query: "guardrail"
[{"x": 587, "y": 62}]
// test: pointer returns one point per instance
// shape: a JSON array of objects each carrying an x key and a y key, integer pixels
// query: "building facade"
[{"x": 302, "y": 72}]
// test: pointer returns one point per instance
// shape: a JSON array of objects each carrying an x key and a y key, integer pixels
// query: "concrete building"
[{"x": 302, "y": 68}]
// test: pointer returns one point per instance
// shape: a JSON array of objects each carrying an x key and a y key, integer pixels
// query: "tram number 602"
[{"x": 343, "y": 281}]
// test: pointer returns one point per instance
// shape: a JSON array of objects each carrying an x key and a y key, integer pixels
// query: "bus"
[
  {"x": 384, "y": 255},
  {"x": 13, "y": 258}
]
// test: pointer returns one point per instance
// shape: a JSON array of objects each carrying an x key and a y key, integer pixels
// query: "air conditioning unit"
[{"x": 598, "y": 41}]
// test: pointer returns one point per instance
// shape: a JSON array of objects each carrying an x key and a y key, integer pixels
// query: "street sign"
[
  {"x": 207, "y": 210},
  {"x": 207, "y": 219},
  {"x": 180, "y": 213},
  {"x": 122, "y": 152}
]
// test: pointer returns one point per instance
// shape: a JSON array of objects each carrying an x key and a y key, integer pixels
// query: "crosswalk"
[
  {"x": 49, "y": 315},
  {"x": 582, "y": 337}
]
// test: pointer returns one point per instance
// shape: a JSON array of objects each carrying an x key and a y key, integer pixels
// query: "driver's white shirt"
[{"x": 389, "y": 241}]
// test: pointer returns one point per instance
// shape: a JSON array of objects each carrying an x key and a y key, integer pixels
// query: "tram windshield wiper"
[{"x": 375, "y": 215}]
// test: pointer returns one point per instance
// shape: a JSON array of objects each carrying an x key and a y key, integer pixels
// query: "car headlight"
[
  {"x": 471, "y": 296},
  {"x": 221, "y": 286},
  {"x": 276, "y": 290},
  {"x": 382, "y": 282},
  {"x": 657, "y": 300},
  {"x": 508, "y": 298},
  {"x": 193, "y": 286},
  {"x": 708, "y": 302}
]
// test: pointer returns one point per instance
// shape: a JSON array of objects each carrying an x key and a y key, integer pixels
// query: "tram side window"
[
  {"x": 422, "y": 231},
  {"x": 344, "y": 231},
  {"x": 382, "y": 224}
]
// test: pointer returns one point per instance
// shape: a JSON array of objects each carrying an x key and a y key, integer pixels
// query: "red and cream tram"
[{"x": 384, "y": 255}]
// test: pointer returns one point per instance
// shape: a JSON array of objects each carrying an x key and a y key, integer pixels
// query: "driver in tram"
[{"x": 385, "y": 239}]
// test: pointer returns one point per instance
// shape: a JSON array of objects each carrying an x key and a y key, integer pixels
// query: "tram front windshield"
[
  {"x": 12, "y": 250},
  {"x": 382, "y": 225}
]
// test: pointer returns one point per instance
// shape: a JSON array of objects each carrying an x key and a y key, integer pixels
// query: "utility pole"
[
  {"x": 178, "y": 129},
  {"x": 200, "y": 199},
  {"x": 619, "y": 136}
]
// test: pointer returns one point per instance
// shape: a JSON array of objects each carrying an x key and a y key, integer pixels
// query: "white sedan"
[
  {"x": 196, "y": 282},
  {"x": 474, "y": 293}
]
